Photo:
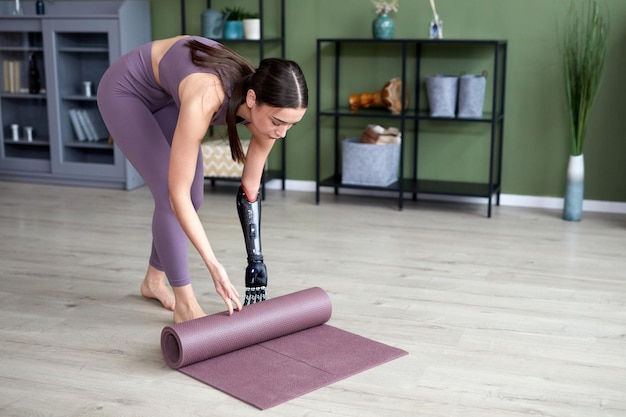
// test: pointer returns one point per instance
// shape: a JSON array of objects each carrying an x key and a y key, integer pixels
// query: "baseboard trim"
[{"x": 512, "y": 200}]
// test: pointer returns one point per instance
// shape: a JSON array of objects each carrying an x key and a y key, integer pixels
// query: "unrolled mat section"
[{"x": 273, "y": 351}]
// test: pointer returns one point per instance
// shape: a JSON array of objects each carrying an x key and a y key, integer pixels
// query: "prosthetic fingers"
[{"x": 256, "y": 272}]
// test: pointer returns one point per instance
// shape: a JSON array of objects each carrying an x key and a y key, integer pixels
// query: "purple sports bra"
[{"x": 176, "y": 65}]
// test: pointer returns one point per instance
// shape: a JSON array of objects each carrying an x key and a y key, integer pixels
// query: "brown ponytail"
[{"x": 277, "y": 82}]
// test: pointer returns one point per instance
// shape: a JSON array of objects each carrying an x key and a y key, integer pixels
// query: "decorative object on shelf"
[
  {"x": 40, "y": 8},
  {"x": 369, "y": 164},
  {"x": 87, "y": 87},
  {"x": 378, "y": 135},
  {"x": 472, "y": 95},
  {"x": 15, "y": 132},
  {"x": 390, "y": 96},
  {"x": 584, "y": 51},
  {"x": 233, "y": 27},
  {"x": 442, "y": 94},
  {"x": 383, "y": 26},
  {"x": 28, "y": 132},
  {"x": 436, "y": 25},
  {"x": 17, "y": 9},
  {"x": 252, "y": 26},
  {"x": 212, "y": 23},
  {"x": 34, "y": 79}
]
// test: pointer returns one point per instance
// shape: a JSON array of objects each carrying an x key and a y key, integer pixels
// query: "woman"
[{"x": 158, "y": 102}]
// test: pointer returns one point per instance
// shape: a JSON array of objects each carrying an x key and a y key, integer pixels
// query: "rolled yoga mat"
[{"x": 273, "y": 351}]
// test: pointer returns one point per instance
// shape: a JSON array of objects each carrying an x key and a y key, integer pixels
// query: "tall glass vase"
[
  {"x": 574, "y": 189},
  {"x": 383, "y": 27}
]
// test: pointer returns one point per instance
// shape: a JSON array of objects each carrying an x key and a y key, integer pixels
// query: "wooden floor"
[{"x": 522, "y": 314}]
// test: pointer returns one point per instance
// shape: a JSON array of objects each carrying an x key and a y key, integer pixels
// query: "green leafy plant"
[
  {"x": 238, "y": 13},
  {"x": 584, "y": 51}
]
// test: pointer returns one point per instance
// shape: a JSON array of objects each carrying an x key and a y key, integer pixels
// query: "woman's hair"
[{"x": 277, "y": 82}]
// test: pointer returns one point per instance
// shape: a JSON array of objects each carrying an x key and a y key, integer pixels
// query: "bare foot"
[
  {"x": 153, "y": 286},
  {"x": 187, "y": 307}
]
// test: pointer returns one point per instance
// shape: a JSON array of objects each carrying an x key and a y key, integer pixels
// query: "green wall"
[{"x": 536, "y": 137}]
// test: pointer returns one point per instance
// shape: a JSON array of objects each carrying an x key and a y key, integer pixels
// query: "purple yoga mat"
[{"x": 273, "y": 351}]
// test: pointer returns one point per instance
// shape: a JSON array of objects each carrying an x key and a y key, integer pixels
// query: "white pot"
[{"x": 252, "y": 29}]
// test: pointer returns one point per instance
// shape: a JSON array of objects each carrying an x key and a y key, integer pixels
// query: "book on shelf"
[
  {"x": 12, "y": 71},
  {"x": 77, "y": 125},
  {"x": 88, "y": 125},
  {"x": 82, "y": 117},
  {"x": 96, "y": 124}
]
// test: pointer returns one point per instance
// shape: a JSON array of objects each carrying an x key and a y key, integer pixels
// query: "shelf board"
[
  {"x": 487, "y": 117},
  {"x": 265, "y": 40},
  {"x": 101, "y": 144},
  {"x": 22, "y": 142},
  {"x": 21, "y": 48},
  {"x": 335, "y": 181},
  {"x": 79, "y": 97},
  {"x": 469, "y": 189},
  {"x": 409, "y": 114},
  {"x": 369, "y": 112},
  {"x": 39, "y": 96},
  {"x": 84, "y": 49},
  {"x": 416, "y": 40}
]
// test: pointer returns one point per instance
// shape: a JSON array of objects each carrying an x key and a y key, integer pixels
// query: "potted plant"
[
  {"x": 584, "y": 51},
  {"x": 233, "y": 27},
  {"x": 252, "y": 26}
]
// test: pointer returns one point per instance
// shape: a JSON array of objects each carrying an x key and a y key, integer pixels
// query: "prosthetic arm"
[{"x": 256, "y": 272}]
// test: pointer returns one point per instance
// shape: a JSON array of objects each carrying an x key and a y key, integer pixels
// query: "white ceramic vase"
[{"x": 574, "y": 189}]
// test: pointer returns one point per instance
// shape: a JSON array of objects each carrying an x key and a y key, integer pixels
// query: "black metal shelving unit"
[{"x": 413, "y": 183}]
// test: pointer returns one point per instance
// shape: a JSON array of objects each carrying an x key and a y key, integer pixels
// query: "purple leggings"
[{"x": 142, "y": 118}]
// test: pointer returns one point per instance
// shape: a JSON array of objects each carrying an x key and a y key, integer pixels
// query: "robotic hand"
[{"x": 256, "y": 272}]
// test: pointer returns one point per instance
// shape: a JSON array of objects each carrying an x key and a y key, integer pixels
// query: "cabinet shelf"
[
  {"x": 366, "y": 113},
  {"x": 408, "y": 114},
  {"x": 84, "y": 50},
  {"x": 21, "y": 49},
  {"x": 21, "y": 96},
  {"x": 459, "y": 188},
  {"x": 35, "y": 152},
  {"x": 24, "y": 142},
  {"x": 252, "y": 41},
  {"x": 79, "y": 97},
  {"x": 487, "y": 117},
  {"x": 101, "y": 144},
  {"x": 409, "y": 60}
]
